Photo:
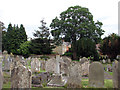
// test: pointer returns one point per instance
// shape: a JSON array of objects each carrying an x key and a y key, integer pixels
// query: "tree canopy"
[
  {"x": 76, "y": 23},
  {"x": 14, "y": 37},
  {"x": 41, "y": 44},
  {"x": 111, "y": 46}
]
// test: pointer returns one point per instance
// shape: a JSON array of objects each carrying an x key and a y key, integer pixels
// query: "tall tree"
[
  {"x": 15, "y": 36},
  {"x": 41, "y": 44},
  {"x": 43, "y": 32},
  {"x": 75, "y": 23}
]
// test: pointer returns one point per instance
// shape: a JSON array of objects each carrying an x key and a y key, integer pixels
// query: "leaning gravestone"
[
  {"x": 116, "y": 74},
  {"x": 96, "y": 75},
  {"x": 21, "y": 77},
  {"x": 1, "y": 76}
]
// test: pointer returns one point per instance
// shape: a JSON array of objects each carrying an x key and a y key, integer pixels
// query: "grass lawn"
[{"x": 107, "y": 84}]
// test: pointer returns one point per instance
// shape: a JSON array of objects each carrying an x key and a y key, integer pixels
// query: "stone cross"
[{"x": 58, "y": 64}]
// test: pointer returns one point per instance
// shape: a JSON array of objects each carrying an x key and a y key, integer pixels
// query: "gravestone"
[
  {"x": 64, "y": 65},
  {"x": 84, "y": 59},
  {"x": 116, "y": 74},
  {"x": 74, "y": 79},
  {"x": 1, "y": 76},
  {"x": 7, "y": 62},
  {"x": 15, "y": 63},
  {"x": 35, "y": 65},
  {"x": 96, "y": 75},
  {"x": 64, "y": 69},
  {"x": 85, "y": 68},
  {"x": 109, "y": 61},
  {"x": 50, "y": 65},
  {"x": 42, "y": 64},
  {"x": 21, "y": 77}
]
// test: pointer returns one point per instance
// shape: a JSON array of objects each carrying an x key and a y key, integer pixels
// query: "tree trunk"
[
  {"x": 74, "y": 55},
  {"x": 74, "y": 51}
]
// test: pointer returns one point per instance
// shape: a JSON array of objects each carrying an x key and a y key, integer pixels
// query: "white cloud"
[{"x": 30, "y": 12}]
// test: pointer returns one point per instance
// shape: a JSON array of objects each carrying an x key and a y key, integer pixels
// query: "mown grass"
[
  {"x": 7, "y": 85},
  {"x": 85, "y": 84},
  {"x": 108, "y": 83}
]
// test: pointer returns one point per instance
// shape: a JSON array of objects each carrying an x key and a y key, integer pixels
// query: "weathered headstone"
[
  {"x": 21, "y": 77},
  {"x": 50, "y": 65},
  {"x": 74, "y": 79},
  {"x": 64, "y": 65},
  {"x": 1, "y": 76},
  {"x": 96, "y": 75},
  {"x": 84, "y": 59},
  {"x": 35, "y": 65},
  {"x": 42, "y": 64},
  {"x": 116, "y": 74},
  {"x": 85, "y": 68},
  {"x": 7, "y": 63},
  {"x": 109, "y": 61}
]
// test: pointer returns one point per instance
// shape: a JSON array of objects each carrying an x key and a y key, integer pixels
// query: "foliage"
[
  {"x": 76, "y": 23},
  {"x": 14, "y": 37},
  {"x": 43, "y": 32},
  {"x": 25, "y": 49},
  {"x": 111, "y": 46},
  {"x": 41, "y": 44},
  {"x": 45, "y": 57},
  {"x": 86, "y": 47}
]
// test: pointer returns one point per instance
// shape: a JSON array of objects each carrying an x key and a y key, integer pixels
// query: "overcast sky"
[{"x": 30, "y": 12}]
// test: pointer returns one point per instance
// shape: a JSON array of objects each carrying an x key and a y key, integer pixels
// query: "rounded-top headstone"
[{"x": 96, "y": 75}]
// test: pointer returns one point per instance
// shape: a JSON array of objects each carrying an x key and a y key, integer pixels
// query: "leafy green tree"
[
  {"x": 111, "y": 46},
  {"x": 25, "y": 49},
  {"x": 76, "y": 23},
  {"x": 41, "y": 44},
  {"x": 86, "y": 47}
]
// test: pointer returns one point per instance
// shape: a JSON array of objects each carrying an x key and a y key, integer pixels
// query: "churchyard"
[{"x": 57, "y": 72}]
